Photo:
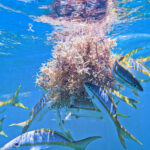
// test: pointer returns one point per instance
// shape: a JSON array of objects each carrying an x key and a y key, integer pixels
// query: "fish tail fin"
[
  {"x": 14, "y": 100},
  {"x": 131, "y": 102},
  {"x": 25, "y": 125},
  {"x": 82, "y": 144},
  {"x": 3, "y": 134},
  {"x": 123, "y": 133},
  {"x": 126, "y": 99},
  {"x": 1, "y": 131}
]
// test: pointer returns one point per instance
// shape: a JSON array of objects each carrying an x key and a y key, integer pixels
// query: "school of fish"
[{"x": 102, "y": 105}]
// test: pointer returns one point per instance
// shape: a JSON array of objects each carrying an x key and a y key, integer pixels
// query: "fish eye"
[
  {"x": 16, "y": 144},
  {"x": 135, "y": 85}
]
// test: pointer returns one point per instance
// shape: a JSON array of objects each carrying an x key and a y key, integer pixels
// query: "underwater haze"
[{"x": 26, "y": 44}]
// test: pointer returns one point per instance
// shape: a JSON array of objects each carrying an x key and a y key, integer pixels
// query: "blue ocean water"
[{"x": 24, "y": 47}]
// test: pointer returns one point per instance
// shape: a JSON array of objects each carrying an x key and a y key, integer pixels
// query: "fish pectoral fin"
[
  {"x": 122, "y": 115},
  {"x": 82, "y": 144}
]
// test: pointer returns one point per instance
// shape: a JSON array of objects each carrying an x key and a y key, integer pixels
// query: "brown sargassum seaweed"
[{"x": 82, "y": 52}]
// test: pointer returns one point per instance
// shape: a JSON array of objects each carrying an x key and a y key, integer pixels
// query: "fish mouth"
[{"x": 140, "y": 88}]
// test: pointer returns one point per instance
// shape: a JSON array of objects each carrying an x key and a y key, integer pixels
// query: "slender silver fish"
[
  {"x": 45, "y": 100},
  {"x": 125, "y": 77},
  {"x": 104, "y": 102},
  {"x": 84, "y": 109},
  {"x": 134, "y": 65},
  {"x": 85, "y": 112},
  {"x": 47, "y": 137}
]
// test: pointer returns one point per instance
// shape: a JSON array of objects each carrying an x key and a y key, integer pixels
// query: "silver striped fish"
[
  {"x": 45, "y": 100},
  {"x": 47, "y": 137},
  {"x": 125, "y": 77},
  {"x": 104, "y": 102}
]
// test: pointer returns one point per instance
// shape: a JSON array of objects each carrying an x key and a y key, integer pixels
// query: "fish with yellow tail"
[
  {"x": 136, "y": 64},
  {"x": 1, "y": 130},
  {"x": 35, "y": 111},
  {"x": 104, "y": 102},
  {"x": 13, "y": 100},
  {"x": 125, "y": 77},
  {"x": 47, "y": 137}
]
